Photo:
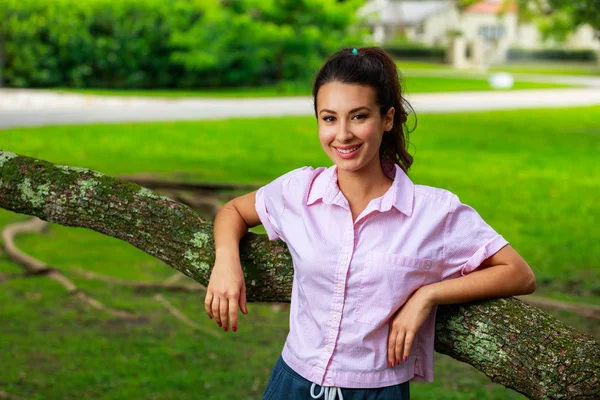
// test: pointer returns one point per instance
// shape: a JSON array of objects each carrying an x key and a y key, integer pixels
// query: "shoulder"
[
  {"x": 437, "y": 197},
  {"x": 294, "y": 183},
  {"x": 299, "y": 178},
  {"x": 302, "y": 174}
]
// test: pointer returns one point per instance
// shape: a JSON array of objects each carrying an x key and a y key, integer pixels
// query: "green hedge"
[
  {"x": 551, "y": 55},
  {"x": 168, "y": 44},
  {"x": 416, "y": 51}
]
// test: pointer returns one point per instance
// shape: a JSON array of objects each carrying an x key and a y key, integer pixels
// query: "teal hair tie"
[{"x": 354, "y": 51}]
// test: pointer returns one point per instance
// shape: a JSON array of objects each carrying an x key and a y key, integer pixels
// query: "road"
[{"x": 38, "y": 108}]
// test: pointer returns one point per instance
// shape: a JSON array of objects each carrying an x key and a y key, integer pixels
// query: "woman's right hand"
[
  {"x": 226, "y": 287},
  {"x": 226, "y": 291}
]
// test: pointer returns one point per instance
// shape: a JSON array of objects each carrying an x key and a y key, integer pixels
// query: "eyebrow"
[{"x": 350, "y": 112}]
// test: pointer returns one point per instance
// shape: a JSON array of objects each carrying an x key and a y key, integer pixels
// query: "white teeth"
[{"x": 347, "y": 151}]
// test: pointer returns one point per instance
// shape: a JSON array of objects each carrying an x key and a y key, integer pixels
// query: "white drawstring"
[{"x": 330, "y": 392}]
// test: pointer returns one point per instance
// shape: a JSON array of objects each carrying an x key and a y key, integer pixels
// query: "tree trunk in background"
[{"x": 513, "y": 343}]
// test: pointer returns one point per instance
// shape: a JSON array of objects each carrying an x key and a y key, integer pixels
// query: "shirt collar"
[{"x": 400, "y": 195}]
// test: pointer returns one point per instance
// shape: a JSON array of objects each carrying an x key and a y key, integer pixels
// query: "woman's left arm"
[{"x": 503, "y": 274}]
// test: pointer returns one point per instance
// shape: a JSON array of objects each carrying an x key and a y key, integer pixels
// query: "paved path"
[
  {"x": 589, "y": 81},
  {"x": 36, "y": 108}
]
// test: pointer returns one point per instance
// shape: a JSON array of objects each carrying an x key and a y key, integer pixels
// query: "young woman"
[{"x": 374, "y": 254}]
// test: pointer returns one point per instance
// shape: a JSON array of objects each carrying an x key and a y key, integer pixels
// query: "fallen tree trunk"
[{"x": 513, "y": 343}]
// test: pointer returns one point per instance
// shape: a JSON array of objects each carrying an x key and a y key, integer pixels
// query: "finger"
[
  {"x": 233, "y": 313},
  {"x": 408, "y": 341},
  {"x": 215, "y": 310},
  {"x": 243, "y": 305},
  {"x": 398, "y": 349},
  {"x": 392, "y": 336},
  {"x": 208, "y": 303},
  {"x": 224, "y": 307}
]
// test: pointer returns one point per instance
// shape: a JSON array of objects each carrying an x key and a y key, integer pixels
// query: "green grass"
[
  {"x": 533, "y": 175},
  {"x": 413, "y": 84},
  {"x": 550, "y": 69},
  {"x": 544, "y": 68},
  {"x": 408, "y": 64},
  {"x": 433, "y": 84}
]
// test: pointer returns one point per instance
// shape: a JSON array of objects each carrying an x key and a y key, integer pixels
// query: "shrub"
[
  {"x": 415, "y": 51},
  {"x": 551, "y": 55},
  {"x": 175, "y": 44}
]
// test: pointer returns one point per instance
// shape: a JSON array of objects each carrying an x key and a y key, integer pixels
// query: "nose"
[{"x": 344, "y": 133}]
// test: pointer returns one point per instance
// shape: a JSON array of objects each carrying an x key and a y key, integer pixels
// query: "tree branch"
[
  {"x": 163, "y": 228},
  {"x": 513, "y": 343}
]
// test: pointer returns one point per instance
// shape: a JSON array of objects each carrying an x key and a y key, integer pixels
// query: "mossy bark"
[
  {"x": 521, "y": 347},
  {"x": 513, "y": 343}
]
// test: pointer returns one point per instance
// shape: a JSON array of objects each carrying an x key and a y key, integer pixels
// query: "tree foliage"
[
  {"x": 557, "y": 19},
  {"x": 581, "y": 11},
  {"x": 175, "y": 44},
  {"x": 269, "y": 39}
]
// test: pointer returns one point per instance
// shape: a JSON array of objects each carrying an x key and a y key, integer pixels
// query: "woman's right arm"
[{"x": 226, "y": 288}]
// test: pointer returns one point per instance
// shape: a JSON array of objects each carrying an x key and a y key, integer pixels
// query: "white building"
[{"x": 489, "y": 27}]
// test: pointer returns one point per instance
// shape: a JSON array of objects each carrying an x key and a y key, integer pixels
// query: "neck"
[{"x": 365, "y": 184}]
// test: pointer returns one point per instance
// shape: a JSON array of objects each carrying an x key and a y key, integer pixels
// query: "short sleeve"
[
  {"x": 271, "y": 201},
  {"x": 468, "y": 241}
]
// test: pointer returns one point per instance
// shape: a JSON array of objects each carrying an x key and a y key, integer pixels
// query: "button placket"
[{"x": 338, "y": 294}]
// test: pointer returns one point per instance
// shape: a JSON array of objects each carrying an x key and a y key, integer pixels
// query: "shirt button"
[
  {"x": 335, "y": 317},
  {"x": 329, "y": 348},
  {"x": 339, "y": 286},
  {"x": 346, "y": 258}
]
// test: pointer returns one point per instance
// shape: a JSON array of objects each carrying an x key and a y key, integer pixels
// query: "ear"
[{"x": 388, "y": 121}]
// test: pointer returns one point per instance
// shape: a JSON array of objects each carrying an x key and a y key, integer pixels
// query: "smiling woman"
[
  {"x": 355, "y": 133},
  {"x": 374, "y": 254}
]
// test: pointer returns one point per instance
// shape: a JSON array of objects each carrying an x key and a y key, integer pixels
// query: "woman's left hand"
[{"x": 405, "y": 324}]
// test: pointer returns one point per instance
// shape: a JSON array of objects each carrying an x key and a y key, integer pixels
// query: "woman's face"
[{"x": 350, "y": 125}]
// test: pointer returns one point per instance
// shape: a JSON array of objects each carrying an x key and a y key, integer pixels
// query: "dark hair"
[{"x": 372, "y": 66}]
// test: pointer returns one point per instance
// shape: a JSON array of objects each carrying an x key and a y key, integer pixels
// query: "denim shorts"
[{"x": 286, "y": 384}]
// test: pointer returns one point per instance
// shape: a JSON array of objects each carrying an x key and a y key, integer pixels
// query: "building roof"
[
  {"x": 402, "y": 12},
  {"x": 410, "y": 12},
  {"x": 491, "y": 7}
]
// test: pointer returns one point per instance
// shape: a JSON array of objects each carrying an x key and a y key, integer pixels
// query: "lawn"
[
  {"x": 413, "y": 84},
  {"x": 550, "y": 69},
  {"x": 533, "y": 175},
  {"x": 543, "y": 68}
]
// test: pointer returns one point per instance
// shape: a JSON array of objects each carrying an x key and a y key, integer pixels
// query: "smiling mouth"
[{"x": 347, "y": 150}]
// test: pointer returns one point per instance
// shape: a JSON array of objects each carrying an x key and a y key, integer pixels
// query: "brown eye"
[
  {"x": 328, "y": 118},
  {"x": 360, "y": 116}
]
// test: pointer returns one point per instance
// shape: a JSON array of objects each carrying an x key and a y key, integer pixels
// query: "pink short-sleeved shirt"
[{"x": 351, "y": 276}]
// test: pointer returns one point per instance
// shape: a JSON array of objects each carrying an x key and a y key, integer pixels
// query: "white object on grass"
[{"x": 501, "y": 80}]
